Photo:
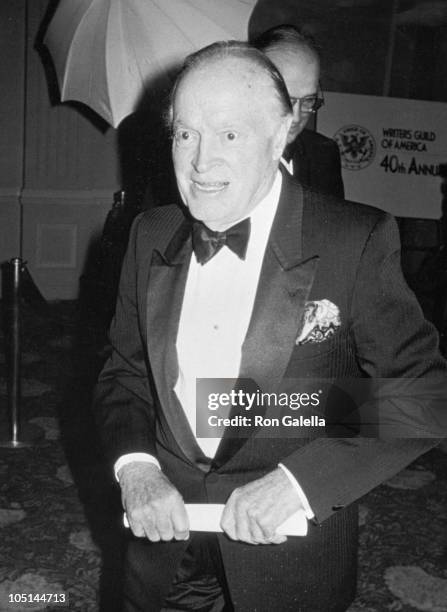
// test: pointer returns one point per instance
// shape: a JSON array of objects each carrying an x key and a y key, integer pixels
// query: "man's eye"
[
  {"x": 183, "y": 136},
  {"x": 231, "y": 136}
]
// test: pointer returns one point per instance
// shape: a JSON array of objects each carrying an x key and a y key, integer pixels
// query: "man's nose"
[{"x": 205, "y": 155}]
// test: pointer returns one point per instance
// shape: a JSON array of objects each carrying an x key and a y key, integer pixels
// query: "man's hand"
[
  {"x": 254, "y": 512},
  {"x": 154, "y": 507}
]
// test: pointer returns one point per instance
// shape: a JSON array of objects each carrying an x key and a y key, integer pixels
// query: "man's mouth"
[{"x": 210, "y": 186}]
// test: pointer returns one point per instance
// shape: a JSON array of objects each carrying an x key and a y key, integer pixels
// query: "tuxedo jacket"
[
  {"x": 316, "y": 163},
  {"x": 319, "y": 248}
]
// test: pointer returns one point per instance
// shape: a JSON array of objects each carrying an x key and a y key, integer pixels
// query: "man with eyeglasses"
[{"x": 313, "y": 159}]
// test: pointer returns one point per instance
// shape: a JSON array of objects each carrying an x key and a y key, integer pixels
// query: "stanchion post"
[
  {"x": 17, "y": 436},
  {"x": 16, "y": 357}
]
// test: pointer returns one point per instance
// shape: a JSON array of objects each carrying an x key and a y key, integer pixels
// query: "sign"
[{"x": 391, "y": 150}]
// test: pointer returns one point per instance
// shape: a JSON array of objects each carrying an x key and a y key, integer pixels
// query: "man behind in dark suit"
[
  {"x": 254, "y": 279},
  {"x": 313, "y": 159}
]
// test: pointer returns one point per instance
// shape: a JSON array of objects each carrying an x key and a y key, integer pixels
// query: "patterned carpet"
[{"x": 60, "y": 512}]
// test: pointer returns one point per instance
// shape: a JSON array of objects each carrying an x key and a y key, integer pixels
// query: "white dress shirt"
[
  {"x": 216, "y": 311},
  {"x": 288, "y": 165}
]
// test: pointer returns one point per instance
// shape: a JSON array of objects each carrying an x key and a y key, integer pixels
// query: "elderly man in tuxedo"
[
  {"x": 313, "y": 159},
  {"x": 234, "y": 284}
]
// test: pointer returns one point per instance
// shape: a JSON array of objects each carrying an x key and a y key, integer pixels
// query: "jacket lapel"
[
  {"x": 167, "y": 277},
  {"x": 284, "y": 286}
]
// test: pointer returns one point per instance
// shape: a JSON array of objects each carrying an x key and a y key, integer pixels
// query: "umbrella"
[{"x": 106, "y": 51}]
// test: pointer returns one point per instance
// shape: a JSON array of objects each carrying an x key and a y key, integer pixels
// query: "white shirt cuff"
[
  {"x": 307, "y": 509},
  {"x": 130, "y": 458}
]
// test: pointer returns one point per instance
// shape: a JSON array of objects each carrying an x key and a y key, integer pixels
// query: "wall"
[
  {"x": 12, "y": 28},
  {"x": 62, "y": 165}
]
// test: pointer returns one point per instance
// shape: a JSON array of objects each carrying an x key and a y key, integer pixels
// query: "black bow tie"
[{"x": 206, "y": 243}]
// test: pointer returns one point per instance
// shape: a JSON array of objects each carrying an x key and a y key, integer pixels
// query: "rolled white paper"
[{"x": 206, "y": 517}]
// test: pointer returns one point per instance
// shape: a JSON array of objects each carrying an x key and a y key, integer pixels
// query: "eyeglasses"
[{"x": 309, "y": 104}]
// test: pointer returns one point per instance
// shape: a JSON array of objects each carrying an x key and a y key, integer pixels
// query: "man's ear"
[{"x": 280, "y": 137}]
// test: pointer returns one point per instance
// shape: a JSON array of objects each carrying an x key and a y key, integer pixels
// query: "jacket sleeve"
[
  {"x": 394, "y": 344},
  {"x": 123, "y": 404}
]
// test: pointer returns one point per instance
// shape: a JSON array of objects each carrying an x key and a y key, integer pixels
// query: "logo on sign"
[{"x": 357, "y": 146}]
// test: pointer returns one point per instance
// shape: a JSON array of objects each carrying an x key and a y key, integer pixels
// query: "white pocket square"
[{"x": 321, "y": 319}]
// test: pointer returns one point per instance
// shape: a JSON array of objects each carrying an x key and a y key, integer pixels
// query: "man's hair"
[
  {"x": 286, "y": 37},
  {"x": 232, "y": 49}
]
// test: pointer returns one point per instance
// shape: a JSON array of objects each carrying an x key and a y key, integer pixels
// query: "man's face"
[
  {"x": 228, "y": 139},
  {"x": 301, "y": 73}
]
